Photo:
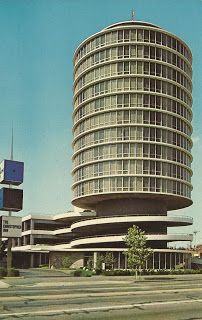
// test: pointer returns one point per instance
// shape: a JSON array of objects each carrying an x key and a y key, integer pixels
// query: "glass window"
[
  {"x": 140, "y": 51},
  {"x": 146, "y": 35},
  {"x": 126, "y": 67},
  {"x": 126, "y": 84},
  {"x": 146, "y": 51},
  {"x": 146, "y": 67},
  {"x": 152, "y": 36},
  {"x": 139, "y": 67},
  {"x": 119, "y": 100},
  {"x": 133, "y": 67},
  {"x": 133, "y": 51},
  {"x": 113, "y": 36},
  {"x": 140, "y": 35},
  {"x": 158, "y": 37},
  {"x": 102, "y": 40},
  {"x": 120, "y": 35},
  {"x": 158, "y": 53},
  {"x": 152, "y": 69},
  {"x": 108, "y": 38},
  {"x": 133, "y": 35},
  {"x": 126, "y": 100},
  {"x": 114, "y": 52},
  {"x": 126, "y": 51},
  {"x": 120, "y": 68},
  {"x": 120, "y": 52},
  {"x": 119, "y": 84},
  {"x": 126, "y": 35},
  {"x": 152, "y": 53}
]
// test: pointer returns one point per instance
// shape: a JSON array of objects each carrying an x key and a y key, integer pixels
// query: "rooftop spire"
[
  {"x": 12, "y": 142},
  {"x": 133, "y": 15}
]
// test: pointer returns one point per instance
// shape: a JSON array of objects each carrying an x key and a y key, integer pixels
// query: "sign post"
[{"x": 11, "y": 173}]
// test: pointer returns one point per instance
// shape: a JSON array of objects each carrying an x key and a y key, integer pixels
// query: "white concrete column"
[
  {"x": 119, "y": 260},
  {"x": 31, "y": 239},
  {"x": 165, "y": 261},
  {"x": 31, "y": 224},
  {"x": 146, "y": 266},
  {"x": 159, "y": 260},
  {"x": 153, "y": 260},
  {"x": 175, "y": 260},
  {"x": 94, "y": 260}
]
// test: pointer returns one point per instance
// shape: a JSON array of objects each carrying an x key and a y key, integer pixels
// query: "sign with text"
[
  {"x": 11, "y": 172},
  {"x": 11, "y": 227}
]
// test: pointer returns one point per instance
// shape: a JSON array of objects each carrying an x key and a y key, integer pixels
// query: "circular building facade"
[{"x": 132, "y": 121}]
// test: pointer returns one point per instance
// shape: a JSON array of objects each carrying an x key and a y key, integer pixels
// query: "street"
[{"x": 49, "y": 294}]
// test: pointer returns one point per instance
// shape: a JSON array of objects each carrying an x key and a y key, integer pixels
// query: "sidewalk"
[{"x": 4, "y": 285}]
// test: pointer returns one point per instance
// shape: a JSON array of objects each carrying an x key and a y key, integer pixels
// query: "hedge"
[{"x": 120, "y": 272}]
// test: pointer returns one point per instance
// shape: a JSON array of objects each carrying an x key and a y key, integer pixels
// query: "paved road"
[{"x": 57, "y": 296}]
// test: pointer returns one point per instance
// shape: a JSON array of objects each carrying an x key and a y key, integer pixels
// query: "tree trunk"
[
  {"x": 135, "y": 274},
  {"x": 140, "y": 272}
]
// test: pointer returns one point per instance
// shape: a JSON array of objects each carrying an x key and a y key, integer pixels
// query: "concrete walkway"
[{"x": 4, "y": 285}]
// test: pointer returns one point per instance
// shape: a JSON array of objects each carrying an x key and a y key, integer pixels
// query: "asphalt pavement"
[{"x": 55, "y": 295}]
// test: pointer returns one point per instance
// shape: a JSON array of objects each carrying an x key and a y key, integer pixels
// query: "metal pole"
[{"x": 9, "y": 252}]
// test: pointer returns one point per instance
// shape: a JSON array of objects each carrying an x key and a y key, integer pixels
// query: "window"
[
  {"x": 126, "y": 35},
  {"x": 140, "y": 35},
  {"x": 120, "y": 36},
  {"x": 133, "y": 35}
]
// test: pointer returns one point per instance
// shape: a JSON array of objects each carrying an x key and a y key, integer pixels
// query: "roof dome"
[{"x": 131, "y": 23}]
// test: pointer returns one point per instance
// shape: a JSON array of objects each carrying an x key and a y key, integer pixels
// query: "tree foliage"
[
  {"x": 66, "y": 262},
  {"x": 2, "y": 250},
  {"x": 108, "y": 259},
  {"x": 137, "y": 250}
]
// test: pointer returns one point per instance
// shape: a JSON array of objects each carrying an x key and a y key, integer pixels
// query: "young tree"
[
  {"x": 137, "y": 252},
  {"x": 108, "y": 259}
]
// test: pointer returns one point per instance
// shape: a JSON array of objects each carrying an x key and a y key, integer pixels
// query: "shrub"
[
  {"x": 43, "y": 266},
  {"x": 119, "y": 272},
  {"x": 12, "y": 272},
  {"x": 3, "y": 272},
  {"x": 98, "y": 271},
  {"x": 82, "y": 273},
  {"x": 66, "y": 262}
]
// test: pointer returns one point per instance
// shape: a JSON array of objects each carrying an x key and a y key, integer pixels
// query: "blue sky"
[{"x": 38, "y": 39}]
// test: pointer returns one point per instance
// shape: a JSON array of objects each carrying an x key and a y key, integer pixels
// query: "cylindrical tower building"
[{"x": 132, "y": 129}]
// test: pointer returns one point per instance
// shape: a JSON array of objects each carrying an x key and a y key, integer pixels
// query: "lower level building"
[{"x": 82, "y": 237}]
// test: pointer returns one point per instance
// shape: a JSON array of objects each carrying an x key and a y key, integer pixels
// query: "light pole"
[{"x": 195, "y": 233}]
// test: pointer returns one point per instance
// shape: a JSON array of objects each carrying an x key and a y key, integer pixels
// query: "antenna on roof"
[
  {"x": 12, "y": 143},
  {"x": 133, "y": 15}
]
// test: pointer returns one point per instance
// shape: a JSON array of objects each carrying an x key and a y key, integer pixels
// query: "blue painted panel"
[{"x": 13, "y": 172}]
